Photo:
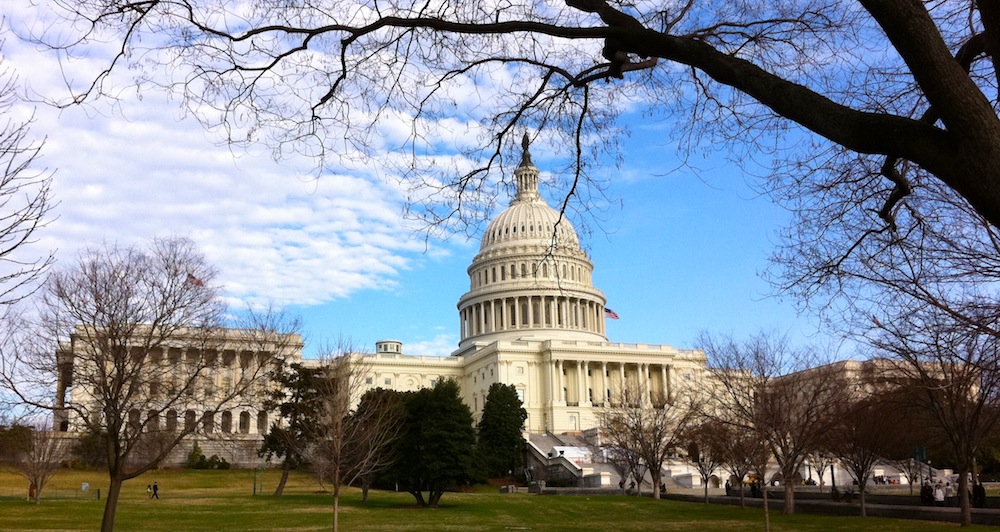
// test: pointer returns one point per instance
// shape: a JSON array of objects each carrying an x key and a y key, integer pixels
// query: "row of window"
[
  {"x": 205, "y": 423},
  {"x": 571, "y": 273}
]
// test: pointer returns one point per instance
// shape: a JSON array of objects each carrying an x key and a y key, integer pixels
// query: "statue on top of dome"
[{"x": 525, "y": 154}]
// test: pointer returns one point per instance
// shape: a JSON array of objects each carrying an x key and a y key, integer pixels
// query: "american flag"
[
  {"x": 191, "y": 279},
  {"x": 610, "y": 314}
]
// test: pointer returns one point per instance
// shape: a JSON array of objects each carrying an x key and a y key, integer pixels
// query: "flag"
[
  {"x": 610, "y": 314},
  {"x": 194, "y": 280},
  {"x": 876, "y": 321}
]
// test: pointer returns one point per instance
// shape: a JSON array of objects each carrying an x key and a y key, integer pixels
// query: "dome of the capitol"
[{"x": 530, "y": 277}]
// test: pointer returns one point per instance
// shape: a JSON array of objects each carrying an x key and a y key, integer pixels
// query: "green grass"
[{"x": 223, "y": 500}]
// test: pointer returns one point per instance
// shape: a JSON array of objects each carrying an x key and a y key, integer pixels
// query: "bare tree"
[
  {"x": 862, "y": 437},
  {"x": 950, "y": 368},
  {"x": 38, "y": 452},
  {"x": 903, "y": 86},
  {"x": 646, "y": 428},
  {"x": 25, "y": 198},
  {"x": 776, "y": 394},
  {"x": 135, "y": 337},
  {"x": 354, "y": 435},
  {"x": 706, "y": 448}
]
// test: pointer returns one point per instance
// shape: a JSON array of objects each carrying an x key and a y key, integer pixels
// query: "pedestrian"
[
  {"x": 949, "y": 494},
  {"x": 156, "y": 490},
  {"x": 938, "y": 495},
  {"x": 149, "y": 491},
  {"x": 979, "y": 495}
]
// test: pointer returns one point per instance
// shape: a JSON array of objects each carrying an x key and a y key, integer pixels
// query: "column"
[
  {"x": 604, "y": 382},
  {"x": 663, "y": 382},
  {"x": 588, "y": 399},
  {"x": 621, "y": 388}
]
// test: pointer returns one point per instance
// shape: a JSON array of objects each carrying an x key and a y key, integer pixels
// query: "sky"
[{"x": 678, "y": 254}]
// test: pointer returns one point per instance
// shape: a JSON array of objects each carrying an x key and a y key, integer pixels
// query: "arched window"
[
  {"x": 244, "y": 422},
  {"x": 227, "y": 422},
  {"x": 261, "y": 422},
  {"x": 208, "y": 422},
  {"x": 190, "y": 419},
  {"x": 153, "y": 421},
  {"x": 133, "y": 420},
  {"x": 171, "y": 421}
]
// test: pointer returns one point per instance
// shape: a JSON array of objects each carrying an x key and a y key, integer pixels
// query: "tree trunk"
[
  {"x": 111, "y": 504},
  {"x": 789, "y": 506},
  {"x": 434, "y": 497},
  {"x": 655, "y": 477},
  {"x": 280, "y": 490},
  {"x": 704, "y": 481},
  {"x": 963, "y": 497},
  {"x": 336, "y": 511},
  {"x": 743, "y": 502},
  {"x": 864, "y": 512},
  {"x": 767, "y": 512}
]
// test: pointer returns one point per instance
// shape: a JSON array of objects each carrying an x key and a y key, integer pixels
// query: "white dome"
[
  {"x": 530, "y": 223},
  {"x": 530, "y": 277}
]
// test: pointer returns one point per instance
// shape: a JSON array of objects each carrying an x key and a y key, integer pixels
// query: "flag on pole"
[
  {"x": 610, "y": 314},
  {"x": 191, "y": 279}
]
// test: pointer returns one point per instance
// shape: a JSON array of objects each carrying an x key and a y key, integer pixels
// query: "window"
[
  {"x": 208, "y": 422},
  {"x": 261, "y": 422},
  {"x": 244, "y": 422},
  {"x": 190, "y": 418},
  {"x": 520, "y": 394},
  {"x": 227, "y": 422},
  {"x": 388, "y": 381},
  {"x": 519, "y": 370},
  {"x": 368, "y": 380}
]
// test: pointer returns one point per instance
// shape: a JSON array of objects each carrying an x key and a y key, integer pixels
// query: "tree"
[
  {"x": 501, "y": 431},
  {"x": 435, "y": 449},
  {"x": 350, "y": 442},
  {"x": 647, "y": 427},
  {"x": 902, "y": 87},
  {"x": 136, "y": 334},
  {"x": 863, "y": 436},
  {"x": 297, "y": 399},
  {"x": 706, "y": 448},
  {"x": 25, "y": 198},
  {"x": 379, "y": 418},
  {"x": 758, "y": 388},
  {"x": 34, "y": 452},
  {"x": 741, "y": 452},
  {"x": 949, "y": 368}
]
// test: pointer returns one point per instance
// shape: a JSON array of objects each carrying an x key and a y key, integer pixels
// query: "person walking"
[
  {"x": 949, "y": 494},
  {"x": 156, "y": 490},
  {"x": 149, "y": 491},
  {"x": 938, "y": 495}
]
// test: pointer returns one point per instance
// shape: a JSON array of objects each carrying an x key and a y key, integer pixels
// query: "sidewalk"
[{"x": 980, "y": 516}]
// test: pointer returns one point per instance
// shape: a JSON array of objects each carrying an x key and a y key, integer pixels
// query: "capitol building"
[{"x": 532, "y": 318}]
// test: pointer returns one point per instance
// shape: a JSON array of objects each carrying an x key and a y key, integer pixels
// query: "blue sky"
[{"x": 679, "y": 254}]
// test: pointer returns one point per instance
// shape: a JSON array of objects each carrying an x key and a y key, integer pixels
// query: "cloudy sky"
[{"x": 677, "y": 254}]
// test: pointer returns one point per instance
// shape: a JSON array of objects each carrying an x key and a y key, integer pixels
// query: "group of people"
[
  {"x": 153, "y": 490},
  {"x": 944, "y": 495}
]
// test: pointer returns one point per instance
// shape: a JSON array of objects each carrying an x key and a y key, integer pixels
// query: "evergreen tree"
[
  {"x": 501, "y": 438},
  {"x": 436, "y": 447},
  {"x": 298, "y": 400}
]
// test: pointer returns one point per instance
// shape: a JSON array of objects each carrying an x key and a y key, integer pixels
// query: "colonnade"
[
  {"x": 574, "y": 383},
  {"x": 531, "y": 312}
]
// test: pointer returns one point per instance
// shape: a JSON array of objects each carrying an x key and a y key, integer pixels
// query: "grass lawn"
[{"x": 223, "y": 500}]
